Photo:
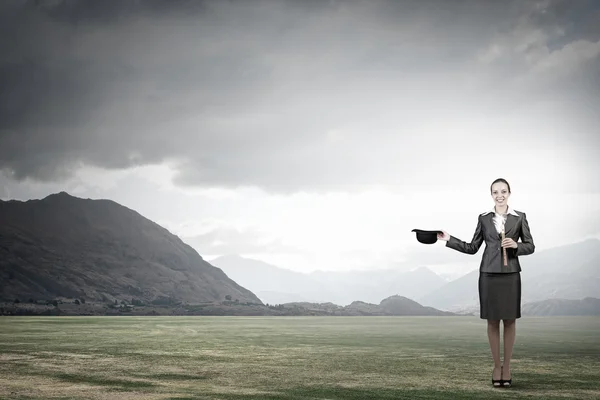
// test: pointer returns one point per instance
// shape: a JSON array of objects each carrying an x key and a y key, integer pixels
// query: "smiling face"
[{"x": 500, "y": 194}]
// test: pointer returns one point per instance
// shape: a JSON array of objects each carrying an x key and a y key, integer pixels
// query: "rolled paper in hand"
[{"x": 504, "y": 251}]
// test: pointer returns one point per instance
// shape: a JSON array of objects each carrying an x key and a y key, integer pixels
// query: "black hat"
[{"x": 426, "y": 237}]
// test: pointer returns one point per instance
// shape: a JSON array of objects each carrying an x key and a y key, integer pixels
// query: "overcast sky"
[{"x": 311, "y": 134}]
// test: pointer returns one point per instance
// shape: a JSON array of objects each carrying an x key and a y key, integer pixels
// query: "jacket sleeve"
[
  {"x": 464, "y": 247},
  {"x": 526, "y": 245}
]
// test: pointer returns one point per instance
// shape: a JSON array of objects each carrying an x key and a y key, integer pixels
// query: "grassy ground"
[{"x": 267, "y": 358}]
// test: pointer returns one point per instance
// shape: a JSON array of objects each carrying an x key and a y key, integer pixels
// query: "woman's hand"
[
  {"x": 509, "y": 243},
  {"x": 443, "y": 236}
]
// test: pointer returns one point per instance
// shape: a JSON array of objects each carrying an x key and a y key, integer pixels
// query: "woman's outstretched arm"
[{"x": 464, "y": 247}]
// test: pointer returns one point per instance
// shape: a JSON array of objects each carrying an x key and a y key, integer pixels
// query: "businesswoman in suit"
[{"x": 499, "y": 277}]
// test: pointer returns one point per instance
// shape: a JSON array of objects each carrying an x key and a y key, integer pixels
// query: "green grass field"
[{"x": 238, "y": 358}]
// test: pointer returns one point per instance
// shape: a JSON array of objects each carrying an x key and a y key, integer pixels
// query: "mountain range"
[
  {"x": 100, "y": 251},
  {"x": 568, "y": 272},
  {"x": 276, "y": 285},
  {"x": 64, "y": 255}
]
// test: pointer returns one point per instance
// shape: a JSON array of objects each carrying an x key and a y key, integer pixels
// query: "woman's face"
[{"x": 500, "y": 194}]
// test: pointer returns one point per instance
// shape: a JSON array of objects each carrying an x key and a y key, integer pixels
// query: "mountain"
[
  {"x": 569, "y": 272},
  {"x": 276, "y": 285},
  {"x": 561, "y": 307},
  {"x": 455, "y": 295},
  {"x": 271, "y": 284},
  {"x": 64, "y": 246}
]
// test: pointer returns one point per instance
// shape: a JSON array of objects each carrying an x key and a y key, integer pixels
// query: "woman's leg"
[
  {"x": 493, "y": 330},
  {"x": 510, "y": 333}
]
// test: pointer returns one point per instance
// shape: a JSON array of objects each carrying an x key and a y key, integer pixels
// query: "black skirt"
[{"x": 500, "y": 295}]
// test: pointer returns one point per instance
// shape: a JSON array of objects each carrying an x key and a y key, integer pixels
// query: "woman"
[{"x": 499, "y": 272}]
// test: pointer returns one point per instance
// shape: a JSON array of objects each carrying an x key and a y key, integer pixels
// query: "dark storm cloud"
[
  {"x": 282, "y": 95},
  {"x": 566, "y": 22}
]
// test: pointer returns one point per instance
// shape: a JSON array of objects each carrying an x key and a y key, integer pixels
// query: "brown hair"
[{"x": 500, "y": 180}]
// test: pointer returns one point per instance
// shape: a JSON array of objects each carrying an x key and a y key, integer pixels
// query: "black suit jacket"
[{"x": 492, "y": 260}]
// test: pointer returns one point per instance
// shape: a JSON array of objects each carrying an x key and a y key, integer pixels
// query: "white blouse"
[{"x": 500, "y": 219}]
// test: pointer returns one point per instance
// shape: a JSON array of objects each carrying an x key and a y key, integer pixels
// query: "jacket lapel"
[
  {"x": 490, "y": 223},
  {"x": 510, "y": 223}
]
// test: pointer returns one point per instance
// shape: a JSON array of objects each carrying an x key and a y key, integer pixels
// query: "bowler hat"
[{"x": 427, "y": 237}]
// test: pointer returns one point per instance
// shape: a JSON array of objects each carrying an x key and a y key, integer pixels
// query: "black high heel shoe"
[
  {"x": 506, "y": 383},
  {"x": 497, "y": 382}
]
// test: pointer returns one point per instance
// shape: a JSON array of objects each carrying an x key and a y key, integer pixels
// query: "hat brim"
[{"x": 426, "y": 237}]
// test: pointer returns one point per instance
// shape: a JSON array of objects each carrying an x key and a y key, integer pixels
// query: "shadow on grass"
[
  {"x": 342, "y": 393},
  {"x": 530, "y": 381},
  {"x": 37, "y": 398},
  {"x": 332, "y": 393},
  {"x": 118, "y": 384},
  {"x": 178, "y": 377}
]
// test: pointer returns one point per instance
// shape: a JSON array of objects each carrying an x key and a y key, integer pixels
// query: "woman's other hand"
[
  {"x": 443, "y": 236},
  {"x": 509, "y": 243}
]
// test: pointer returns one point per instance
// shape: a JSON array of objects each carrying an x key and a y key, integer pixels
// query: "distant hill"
[
  {"x": 569, "y": 272},
  {"x": 391, "y": 306},
  {"x": 561, "y": 307},
  {"x": 276, "y": 285},
  {"x": 98, "y": 250},
  {"x": 400, "y": 305}
]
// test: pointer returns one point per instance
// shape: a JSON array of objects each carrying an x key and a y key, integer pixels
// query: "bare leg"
[
  {"x": 510, "y": 331},
  {"x": 493, "y": 330}
]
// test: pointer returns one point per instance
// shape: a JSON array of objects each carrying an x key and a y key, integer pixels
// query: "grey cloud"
[{"x": 282, "y": 95}]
